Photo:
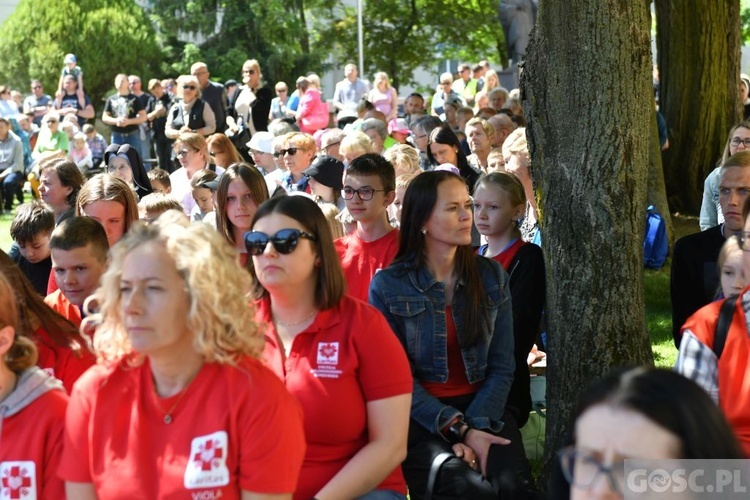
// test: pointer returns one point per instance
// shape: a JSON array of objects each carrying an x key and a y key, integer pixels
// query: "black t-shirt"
[
  {"x": 160, "y": 123},
  {"x": 123, "y": 106},
  {"x": 38, "y": 274},
  {"x": 71, "y": 101}
]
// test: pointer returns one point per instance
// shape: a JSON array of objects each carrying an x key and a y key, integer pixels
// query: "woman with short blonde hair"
[{"x": 354, "y": 145}]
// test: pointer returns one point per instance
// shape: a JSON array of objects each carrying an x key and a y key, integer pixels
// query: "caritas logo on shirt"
[
  {"x": 328, "y": 359},
  {"x": 207, "y": 466},
  {"x": 19, "y": 480}
]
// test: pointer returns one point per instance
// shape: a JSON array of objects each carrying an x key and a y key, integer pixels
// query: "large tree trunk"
[
  {"x": 586, "y": 90},
  {"x": 698, "y": 46}
]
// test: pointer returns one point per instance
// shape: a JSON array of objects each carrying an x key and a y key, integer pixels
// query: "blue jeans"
[
  {"x": 132, "y": 138},
  {"x": 12, "y": 186}
]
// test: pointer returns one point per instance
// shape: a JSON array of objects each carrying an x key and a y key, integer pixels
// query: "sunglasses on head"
[
  {"x": 188, "y": 87},
  {"x": 284, "y": 241},
  {"x": 282, "y": 152}
]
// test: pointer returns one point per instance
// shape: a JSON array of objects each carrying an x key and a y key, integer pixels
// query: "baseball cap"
[
  {"x": 261, "y": 141},
  {"x": 70, "y": 58},
  {"x": 328, "y": 171},
  {"x": 398, "y": 125}
]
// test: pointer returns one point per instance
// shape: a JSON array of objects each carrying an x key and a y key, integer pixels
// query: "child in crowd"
[
  {"x": 402, "y": 182},
  {"x": 499, "y": 203},
  {"x": 79, "y": 249},
  {"x": 33, "y": 410},
  {"x": 97, "y": 144},
  {"x": 203, "y": 185},
  {"x": 732, "y": 276},
  {"x": 369, "y": 187},
  {"x": 160, "y": 182},
  {"x": 31, "y": 229},
  {"x": 81, "y": 154},
  {"x": 153, "y": 205},
  {"x": 495, "y": 160},
  {"x": 71, "y": 68}
]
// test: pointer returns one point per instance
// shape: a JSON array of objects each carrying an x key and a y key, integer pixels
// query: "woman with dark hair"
[
  {"x": 240, "y": 192},
  {"x": 443, "y": 146},
  {"x": 124, "y": 162},
  {"x": 59, "y": 184},
  {"x": 451, "y": 310},
  {"x": 335, "y": 354},
  {"x": 638, "y": 413},
  {"x": 62, "y": 351}
]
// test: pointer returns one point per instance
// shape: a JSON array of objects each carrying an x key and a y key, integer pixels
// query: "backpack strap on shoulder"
[{"x": 722, "y": 325}]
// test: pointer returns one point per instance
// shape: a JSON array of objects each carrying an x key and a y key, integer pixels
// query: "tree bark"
[
  {"x": 587, "y": 92},
  {"x": 698, "y": 45}
]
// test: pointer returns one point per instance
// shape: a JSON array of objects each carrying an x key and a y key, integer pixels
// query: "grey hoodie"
[{"x": 31, "y": 384}]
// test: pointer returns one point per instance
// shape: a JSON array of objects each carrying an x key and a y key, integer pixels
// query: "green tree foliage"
[
  {"x": 291, "y": 38},
  {"x": 107, "y": 36}
]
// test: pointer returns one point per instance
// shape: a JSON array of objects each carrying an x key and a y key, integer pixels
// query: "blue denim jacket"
[{"x": 414, "y": 303}]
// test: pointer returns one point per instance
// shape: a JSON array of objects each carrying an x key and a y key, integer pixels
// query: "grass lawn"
[{"x": 658, "y": 314}]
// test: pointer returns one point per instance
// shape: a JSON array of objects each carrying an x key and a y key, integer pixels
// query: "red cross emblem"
[
  {"x": 208, "y": 455},
  {"x": 328, "y": 351},
  {"x": 17, "y": 481}
]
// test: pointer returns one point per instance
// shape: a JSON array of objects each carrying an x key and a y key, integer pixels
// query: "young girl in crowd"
[
  {"x": 180, "y": 405},
  {"x": 62, "y": 352},
  {"x": 732, "y": 276},
  {"x": 499, "y": 203},
  {"x": 241, "y": 190},
  {"x": 80, "y": 153},
  {"x": 204, "y": 185},
  {"x": 637, "y": 413},
  {"x": 32, "y": 409},
  {"x": 124, "y": 162},
  {"x": 335, "y": 354},
  {"x": 59, "y": 184},
  {"x": 111, "y": 202},
  {"x": 451, "y": 310}
]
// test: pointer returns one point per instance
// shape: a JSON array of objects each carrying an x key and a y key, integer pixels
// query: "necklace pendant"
[{"x": 167, "y": 419}]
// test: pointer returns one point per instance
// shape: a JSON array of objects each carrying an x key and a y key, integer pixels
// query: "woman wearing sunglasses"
[
  {"x": 335, "y": 354},
  {"x": 638, "y": 413},
  {"x": 297, "y": 152},
  {"x": 191, "y": 150},
  {"x": 191, "y": 114},
  {"x": 451, "y": 310},
  {"x": 181, "y": 405},
  {"x": 240, "y": 192}
]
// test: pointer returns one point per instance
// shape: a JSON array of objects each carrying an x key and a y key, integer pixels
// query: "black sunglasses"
[
  {"x": 190, "y": 87},
  {"x": 282, "y": 152},
  {"x": 284, "y": 241}
]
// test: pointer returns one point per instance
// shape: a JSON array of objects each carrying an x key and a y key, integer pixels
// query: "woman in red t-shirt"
[
  {"x": 335, "y": 354},
  {"x": 62, "y": 351},
  {"x": 499, "y": 205},
  {"x": 180, "y": 406},
  {"x": 32, "y": 410}
]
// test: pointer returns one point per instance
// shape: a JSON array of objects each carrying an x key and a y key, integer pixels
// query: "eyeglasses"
[
  {"x": 325, "y": 148},
  {"x": 183, "y": 152},
  {"x": 581, "y": 469},
  {"x": 284, "y": 241},
  {"x": 736, "y": 141},
  {"x": 446, "y": 83},
  {"x": 189, "y": 87},
  {"x": 282, "y": 152},
  {"x": 364, "y": 194},
  {"x": 248, "y": 71},
  {"x": 36, "y": 87},
  {"x": 281, "y": 91},
  {"x": 50, "y": 122}
]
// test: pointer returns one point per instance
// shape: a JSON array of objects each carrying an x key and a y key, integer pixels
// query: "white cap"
[{"x": 261, "y": 141}]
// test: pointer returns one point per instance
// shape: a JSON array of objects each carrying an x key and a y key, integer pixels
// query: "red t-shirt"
[
  {"x": 30, "y": 450},
  {"x": 457, "y": 383},
  {"x": 347, "y": 357},
  {"x": 61, "y": 362},
  {"x": 234, "y": 428},
  {"x": 60, "y": 303},
  {"x": 361, "y": 259}
]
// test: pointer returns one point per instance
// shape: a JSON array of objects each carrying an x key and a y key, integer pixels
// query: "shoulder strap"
[
  {"x": 437, "y": 462},
  {"x": 722, "y": 325}
]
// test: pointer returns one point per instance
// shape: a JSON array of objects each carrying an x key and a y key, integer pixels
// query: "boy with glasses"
[{"x": 369, "y": 188}]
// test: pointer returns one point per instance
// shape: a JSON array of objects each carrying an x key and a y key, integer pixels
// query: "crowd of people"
[{"x": 261, "y": 297}]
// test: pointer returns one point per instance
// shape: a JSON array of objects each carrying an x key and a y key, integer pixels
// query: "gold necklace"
[
  {"x": 168, "y": 415},
  {"x": 297, "y": 323}
]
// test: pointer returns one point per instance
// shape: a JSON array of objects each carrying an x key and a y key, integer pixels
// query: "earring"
[{"x": 424, "y": 231}]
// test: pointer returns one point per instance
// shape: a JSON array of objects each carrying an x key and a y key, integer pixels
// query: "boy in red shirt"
[
  {"x": 79, "y": 249},
  {"x": 369, "y": 188}
]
